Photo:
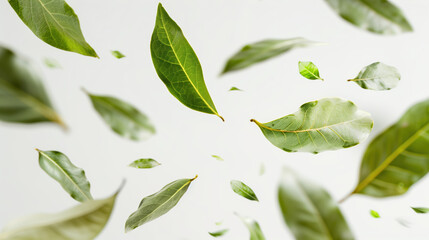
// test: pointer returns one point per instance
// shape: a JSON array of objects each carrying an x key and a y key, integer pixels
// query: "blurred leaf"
[
  {"x": 309, "y": 70},
  {"x": 420, "y": 209},
  {"x": 243, "y": 190},
  {"x": 217, "y": 157},
  {"x": 51, "y": 63},
  {"x": 253, "y": 227},
  {"x": 117, "y": 54},
  {"x": 377, "y": 76},
  {"x": 262, "y": 169},
  {"x": 218, "y": 233},
  {"x": 145, "y": 163},
  {"x": 374, "y": 214}
]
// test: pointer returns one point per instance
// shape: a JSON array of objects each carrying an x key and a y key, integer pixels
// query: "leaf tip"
[{"x": 223, "y": 120}]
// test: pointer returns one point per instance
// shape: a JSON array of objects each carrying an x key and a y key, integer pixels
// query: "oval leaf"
[
  {"x": 178, "y": 66},
  {"x": 243, "y": 190},
  {"x": 309, "y": 210},
  {"x": 377, "y": 16},
  {"x": 374, "y": 214},
  {"x": 219, "y": 233},
  {"x": 122, "y": 117},
  {"x": 117, "y": 54},
  {"x": 263, "y": 50},
  {"x": 378, "y": 76},
  {"x": 309, "y": 70},
  {"x": 23, "y": 98},
  {"x": 71, "y": 178},
  {"x": 83, "y": 222},
  {"x": 326, "y": 124},
  {"x": 145, "y": 163},
  {"x": 253, "y": 227},
  {"x": 158, "y": 204}
]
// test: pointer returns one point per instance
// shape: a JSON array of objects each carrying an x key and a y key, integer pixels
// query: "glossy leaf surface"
[
  {"x": 378, "y": 76},
  {"x": 309, "y": 70},
  {"x": 243, "y": 190},
  {"x": 145, "y": 163}
]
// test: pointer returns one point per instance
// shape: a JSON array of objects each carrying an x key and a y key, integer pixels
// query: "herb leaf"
[
  {"x": 117, "y": 54},
  {"x": 145, "y": 163},
  {"x": 217, "y": 157},
  {"x": 378, "y": 76},
  {"x": 309, "y": 70},
  {"x": 51, "y": 63},
  {"x": 243, "y": 190},
  {"x": 235, "y": 89},
  {"x": 374, "y": 214},
  {"x": 54, "y": 22},
  {"x": 420, "y": 209},
  {"x": 326, "y": 124},
  {"x": 253, "y": 227},
  {"x": 219, "y": 233}
]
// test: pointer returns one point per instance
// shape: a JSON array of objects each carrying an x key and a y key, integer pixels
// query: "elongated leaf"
[
  {"x": 51, "y": 63},
  {"x": 219, "y": 233},
  {"x": 54, "y": 22},
  {"x": 374, "y": 214},
  {"x": 122, "y": 117},
  {"x": 219, "y": 158},
  {"x": 178, "y": 66},
  {"x": 253, "y": 227},
  {"x": 158, "y": 204},
  {"x": 398, "y": 157},
  {"x": 378, "y": 76},
  {"x": 235, "y": 89},
  {"x": 420, "y": 209},
  {"x": 23, "y": 98},
  {"x": 117, "y": 54},
  {"x": 72, "y": 179},
  {"x": 243, "y": 190},
  {"x": 309, "y": 70},
  {"x": 263, "y": 50},
  {"x": 326, "y": 124},
  {"x": 145, "y": 163},
  {"x": 309, "y": 210},
  {"x": 83, "y": 222}
]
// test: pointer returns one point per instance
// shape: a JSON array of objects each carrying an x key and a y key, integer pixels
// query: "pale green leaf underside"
[
  {"x": 158, "y": 204},
  {"x": 122, "y": 117},
  {"x": 72, "y": 179},
  {"x": 178, "y": 66},
  {"x": 253, "y": 227},
  {"x": 219, "y": 233},
  {"x": 243, "y": 190},
  {"x": 145, "y": 163},
  {"x": 378, "y": 76},
  {"x": 117, "y": 54},
  {"x": 309, "y": 70},
  {"x": 309, "y": 211},
  {"x": 54, "y": 22},
  {"x": 83, "y": 222},
  {"x": 326, "y": 124},
  {"x": 377, "y": 16}
]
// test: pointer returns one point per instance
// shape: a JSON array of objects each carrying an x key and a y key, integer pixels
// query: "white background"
[{"x": 186, "y": 139}]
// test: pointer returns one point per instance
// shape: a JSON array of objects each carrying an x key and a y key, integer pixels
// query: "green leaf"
[
  {"x": 378, "y": 76},
  {"x": 253, "y": 227},
  {"x": 117, "y": 54},
  {"x": 263, "y": 50},
  {"x": 235, "y": 89},
  {"x": 309, "y": 70},
  {"x": 420, "y": 209},
  {"x": 122, "y": 117},
  {"x": 54, "y": 22},
  {"x": 219, "y": 233},
  {"x": 309, "y": 211},
  {"x": 145, "y": 163},
  {"x": 158, "y": 204},
  {"x": 326, "y": 124},
  {"x": 51, "y": 63},
  {"x": 377, "y": 16},
  {"x": 23, "y": 98},
  {"x": 83, "y": 222},
  {"x": 72, "y": 179},
  {"x": 243, "y": 190},
  {"x": 217, "y": 157},
  {"x": 398, "y": 157},
  {"x": 374, "y": 214},
  {"x": 261, "y": 169},
  {"x": 178, "y": 66}
]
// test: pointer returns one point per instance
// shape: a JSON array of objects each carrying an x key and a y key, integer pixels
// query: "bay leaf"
[
  {"x": 309, "y": 211},
  {"x": 309, "y": 70},
  {"x": 219, "y": 233},
  {"x": 158, "y": 204},
  {"x": 235, "y": 89},
  {"x": 253, "y": 227},
  {"x": 54, "y": 22},
  {"x": 145, "y": 163},
  {"x": 420, "y": 209},
  {"x": 326, "y": 124},
  {"x": 117, "y": 54},
  {"x": 377, "y": 16},
  {"x": 178, "y": 66},
  {"x": 377, "y": 76},
  {"x": 122, "y": 117},
  {"x": 23, "y": 98},
  {"x": 72, "y": 179},
  {"x": 243, "y": 190}
]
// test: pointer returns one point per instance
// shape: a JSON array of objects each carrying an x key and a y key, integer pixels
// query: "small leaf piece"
[
  {"x": 219, "y": 233},
  {"x": 217, "y": 157},
  {"x": 178, "y": 66},
  {"x": 420, "y": 209},
  {"x": 377, "y": 76},
  {"x": 377, "y": 16},
  {"x": 51, "y": 63},
  {"x": 309, "y": 210},
  {"x": 235, "y": 89},
  {"x": 263, "y": 50},
  {"x": 83, "y": 222},
  {"x": 117, "y": 54},
  {"x": 326, "y": 124},
  {"x": 374, "y": 214},
  {"x": 253, "y": 227},
  {"x": 122, "y": 117},
  {"x": 72, "y": 179},
  {"x": 243, "y": 190},
  {"x": 54, "y": 22},
  {"x": 145, "y": 163},
  {"x": 158, "y": 204},
  {"x": 309, "y": 70}
]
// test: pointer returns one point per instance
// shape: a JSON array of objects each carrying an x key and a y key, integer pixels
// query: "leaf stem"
[{"x": 346, "y": 197}]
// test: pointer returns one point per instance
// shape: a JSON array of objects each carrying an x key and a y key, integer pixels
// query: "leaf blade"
[
  {"x": 219, "y": 233},
  {"x": 377, "y": 76},
  {"x": 253, "y": 227},
  {"x": 145, "y": 163},
  {"x": 421, "y": 210},
  {"x": 309, "y": 70},
  {"x": 243, "y": 190}
]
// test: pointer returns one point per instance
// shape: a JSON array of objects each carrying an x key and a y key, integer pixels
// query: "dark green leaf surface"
[
  {"x": 178, "y": 66},
  {"x": 253, "y": 227},
  {"x": 55, "y": 22},
  {"x": 72, "y": 179},
  {"x": 326, "y": 124},
  {"x": 377, "y": 16},
  {"x": 145, "y": 163},
  {"x": 158, "y": 204},
  {"x": 83, "y": 222},
  {"x": 122, "y": 117},
  {"x": 378, "y": 76},
  {"x": 309, "y": 211},
  {"x": 243, "y": 190},
  {"x": 263, "y": 50},
  {"x": 309, "y": 70},
  {"x": 374, "y": 214},
  {"x": 117, "y": 54},
  {"x": 23, "y": 98},
  {"x": 420, "y": 209},
  {"x": 219, "y": 233}
]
